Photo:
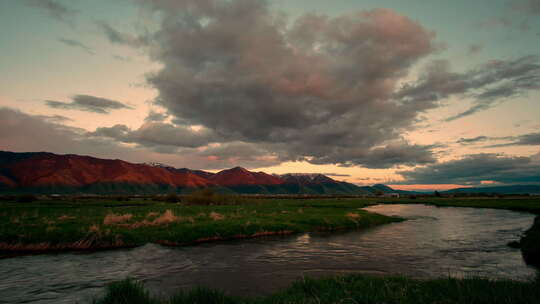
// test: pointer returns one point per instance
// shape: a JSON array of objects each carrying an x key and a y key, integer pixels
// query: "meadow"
[
  {"x": 86, "y": 223},
  {"x": 91, "y": 224}
]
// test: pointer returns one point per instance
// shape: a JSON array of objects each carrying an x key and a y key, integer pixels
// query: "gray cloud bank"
[
  {"x": 488, "y": 84},
  {"x": 89, "y": 104},
  {"x": 473, "y": 169},
  {"x": 316, "y": 88},
  {"x": 21, "y": 132},
  {"x": 530, "y": 139}
]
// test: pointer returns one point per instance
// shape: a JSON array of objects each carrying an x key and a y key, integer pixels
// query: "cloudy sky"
[{"x": 417, "y": 94}]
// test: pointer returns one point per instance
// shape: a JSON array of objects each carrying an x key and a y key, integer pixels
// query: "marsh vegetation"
[
  {"x": 50, "y": 225},
  {"x": 349, "y": 289}
]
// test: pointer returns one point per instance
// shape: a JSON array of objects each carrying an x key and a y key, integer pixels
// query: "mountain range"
[{"x": 48, "y": 173}]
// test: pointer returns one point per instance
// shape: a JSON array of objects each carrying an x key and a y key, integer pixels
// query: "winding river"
[{"x": 433, "y": 242}]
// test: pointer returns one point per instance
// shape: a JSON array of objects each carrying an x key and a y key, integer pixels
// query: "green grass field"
[
  {"x": 350, "y": 289},
  {"x": 98, "y": 224}
]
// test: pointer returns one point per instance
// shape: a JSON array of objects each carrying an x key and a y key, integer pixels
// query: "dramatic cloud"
[
  {"x": 317, "y": 88},
  {"x": 77, "y": 44},
  {"x": 55, "y": 9},
  {"x": 488, "y": 84},
  {"x": 89, "y": 104},
  {"x": 473, "y": 169}
]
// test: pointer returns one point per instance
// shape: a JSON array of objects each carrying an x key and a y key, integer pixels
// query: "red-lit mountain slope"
[
  {"x": 44, "y": 169},
  {"x": 239, "y": 176},
  {"x": 42, "y": 172}
]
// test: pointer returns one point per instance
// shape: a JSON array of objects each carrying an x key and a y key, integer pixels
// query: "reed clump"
[{"x": 350, "y": 289}]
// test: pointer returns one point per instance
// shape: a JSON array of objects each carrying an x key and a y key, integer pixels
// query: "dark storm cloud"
[
  {"x": 89, "y": 104},
  {"x": 77, "y": 44},
  {"x": 316, "y": 88},
  {"x": 488, "y": 84},
  {"x": 473, "y": 169},
  {"x": 55, "y": 9}
]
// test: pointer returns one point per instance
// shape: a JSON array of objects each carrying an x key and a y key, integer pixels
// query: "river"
[{"x": 433, "y": 242}]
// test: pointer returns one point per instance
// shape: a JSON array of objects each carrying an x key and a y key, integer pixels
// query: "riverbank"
[
  {"x": 52, "y": 226},
  {"x": 530, "y": 244},
  {"x": 350, "y": 289}
]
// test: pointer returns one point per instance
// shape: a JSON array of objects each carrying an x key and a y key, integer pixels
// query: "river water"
[{"x": 434, "y": 242}]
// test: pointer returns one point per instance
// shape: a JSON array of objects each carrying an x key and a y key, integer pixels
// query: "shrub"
[
  {"x": 172, "y": 198},
  {"x": 208, "y": 196},
  {"x": 122, "y": 198},
  {"x": 112, "y": 219},
  {"x": 26, "y": 198}
]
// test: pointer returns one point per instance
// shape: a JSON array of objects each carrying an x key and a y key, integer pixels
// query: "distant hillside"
[
  {"x": 48, "y": 173},
  {"x": 514, "y": 189}
]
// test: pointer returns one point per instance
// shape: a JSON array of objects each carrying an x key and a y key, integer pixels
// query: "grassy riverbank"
[
  {"x": 350, "y": 289},
  {"x": 43, "y": 226},
  {"x": 530, "y": 244}
]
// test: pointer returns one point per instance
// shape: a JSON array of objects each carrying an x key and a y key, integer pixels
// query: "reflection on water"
[{"x": 433, "y": 242}]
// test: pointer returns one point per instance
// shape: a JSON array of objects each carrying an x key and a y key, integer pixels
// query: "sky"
[{"x": 416, "y": 94}]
